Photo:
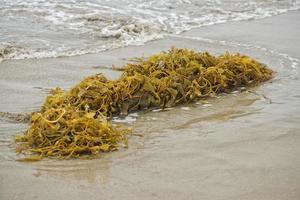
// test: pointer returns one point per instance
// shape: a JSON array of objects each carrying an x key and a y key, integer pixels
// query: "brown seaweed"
[{"x": 77, "y": 122}]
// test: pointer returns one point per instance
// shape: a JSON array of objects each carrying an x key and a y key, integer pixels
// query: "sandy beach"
[{"x": 243, "y": 145}]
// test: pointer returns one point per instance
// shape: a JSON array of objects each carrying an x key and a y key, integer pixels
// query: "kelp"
[
  {"x": 65, "y": 132},
  {"x": 77, "y": 122}
]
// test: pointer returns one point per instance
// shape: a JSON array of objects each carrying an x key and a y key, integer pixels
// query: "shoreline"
[{"x": 240, "y": 147}]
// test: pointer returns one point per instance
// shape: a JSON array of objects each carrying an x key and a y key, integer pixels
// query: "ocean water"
[
  {"x": 54, "y": 28},
  {"x": 243, "y": 145}
]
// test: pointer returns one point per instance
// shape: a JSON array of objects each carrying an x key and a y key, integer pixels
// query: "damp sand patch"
[
  {"x": 15, "y": 117},
  {"x": 77, "y": 122}
]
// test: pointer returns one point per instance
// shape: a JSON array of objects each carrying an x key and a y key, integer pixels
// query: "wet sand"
[{"x": 244, "y": 145}]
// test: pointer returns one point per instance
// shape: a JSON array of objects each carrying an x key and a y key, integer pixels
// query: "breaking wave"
[{"x": 54, "y": 28}]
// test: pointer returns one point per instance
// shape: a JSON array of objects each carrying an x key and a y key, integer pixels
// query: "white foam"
[
  {"x": 94, "y": 26},
  {"x": 185, "y": 108},
  {"x": 132, "y": 117}
]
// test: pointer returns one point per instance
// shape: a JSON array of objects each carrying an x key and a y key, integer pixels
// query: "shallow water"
[
  {"x": 243, "y": 145},
  {"x": 223, "y": 142},
  {"x": 55, "y": 28}
]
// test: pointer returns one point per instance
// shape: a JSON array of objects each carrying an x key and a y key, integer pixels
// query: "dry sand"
[{"x": 238, "y": 146}]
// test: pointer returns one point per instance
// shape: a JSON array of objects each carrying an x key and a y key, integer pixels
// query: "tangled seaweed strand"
[{"x": 73, "y": 123}]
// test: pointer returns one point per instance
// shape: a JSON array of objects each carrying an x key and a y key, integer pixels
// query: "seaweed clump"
[{"x": 76, "y": 122}]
